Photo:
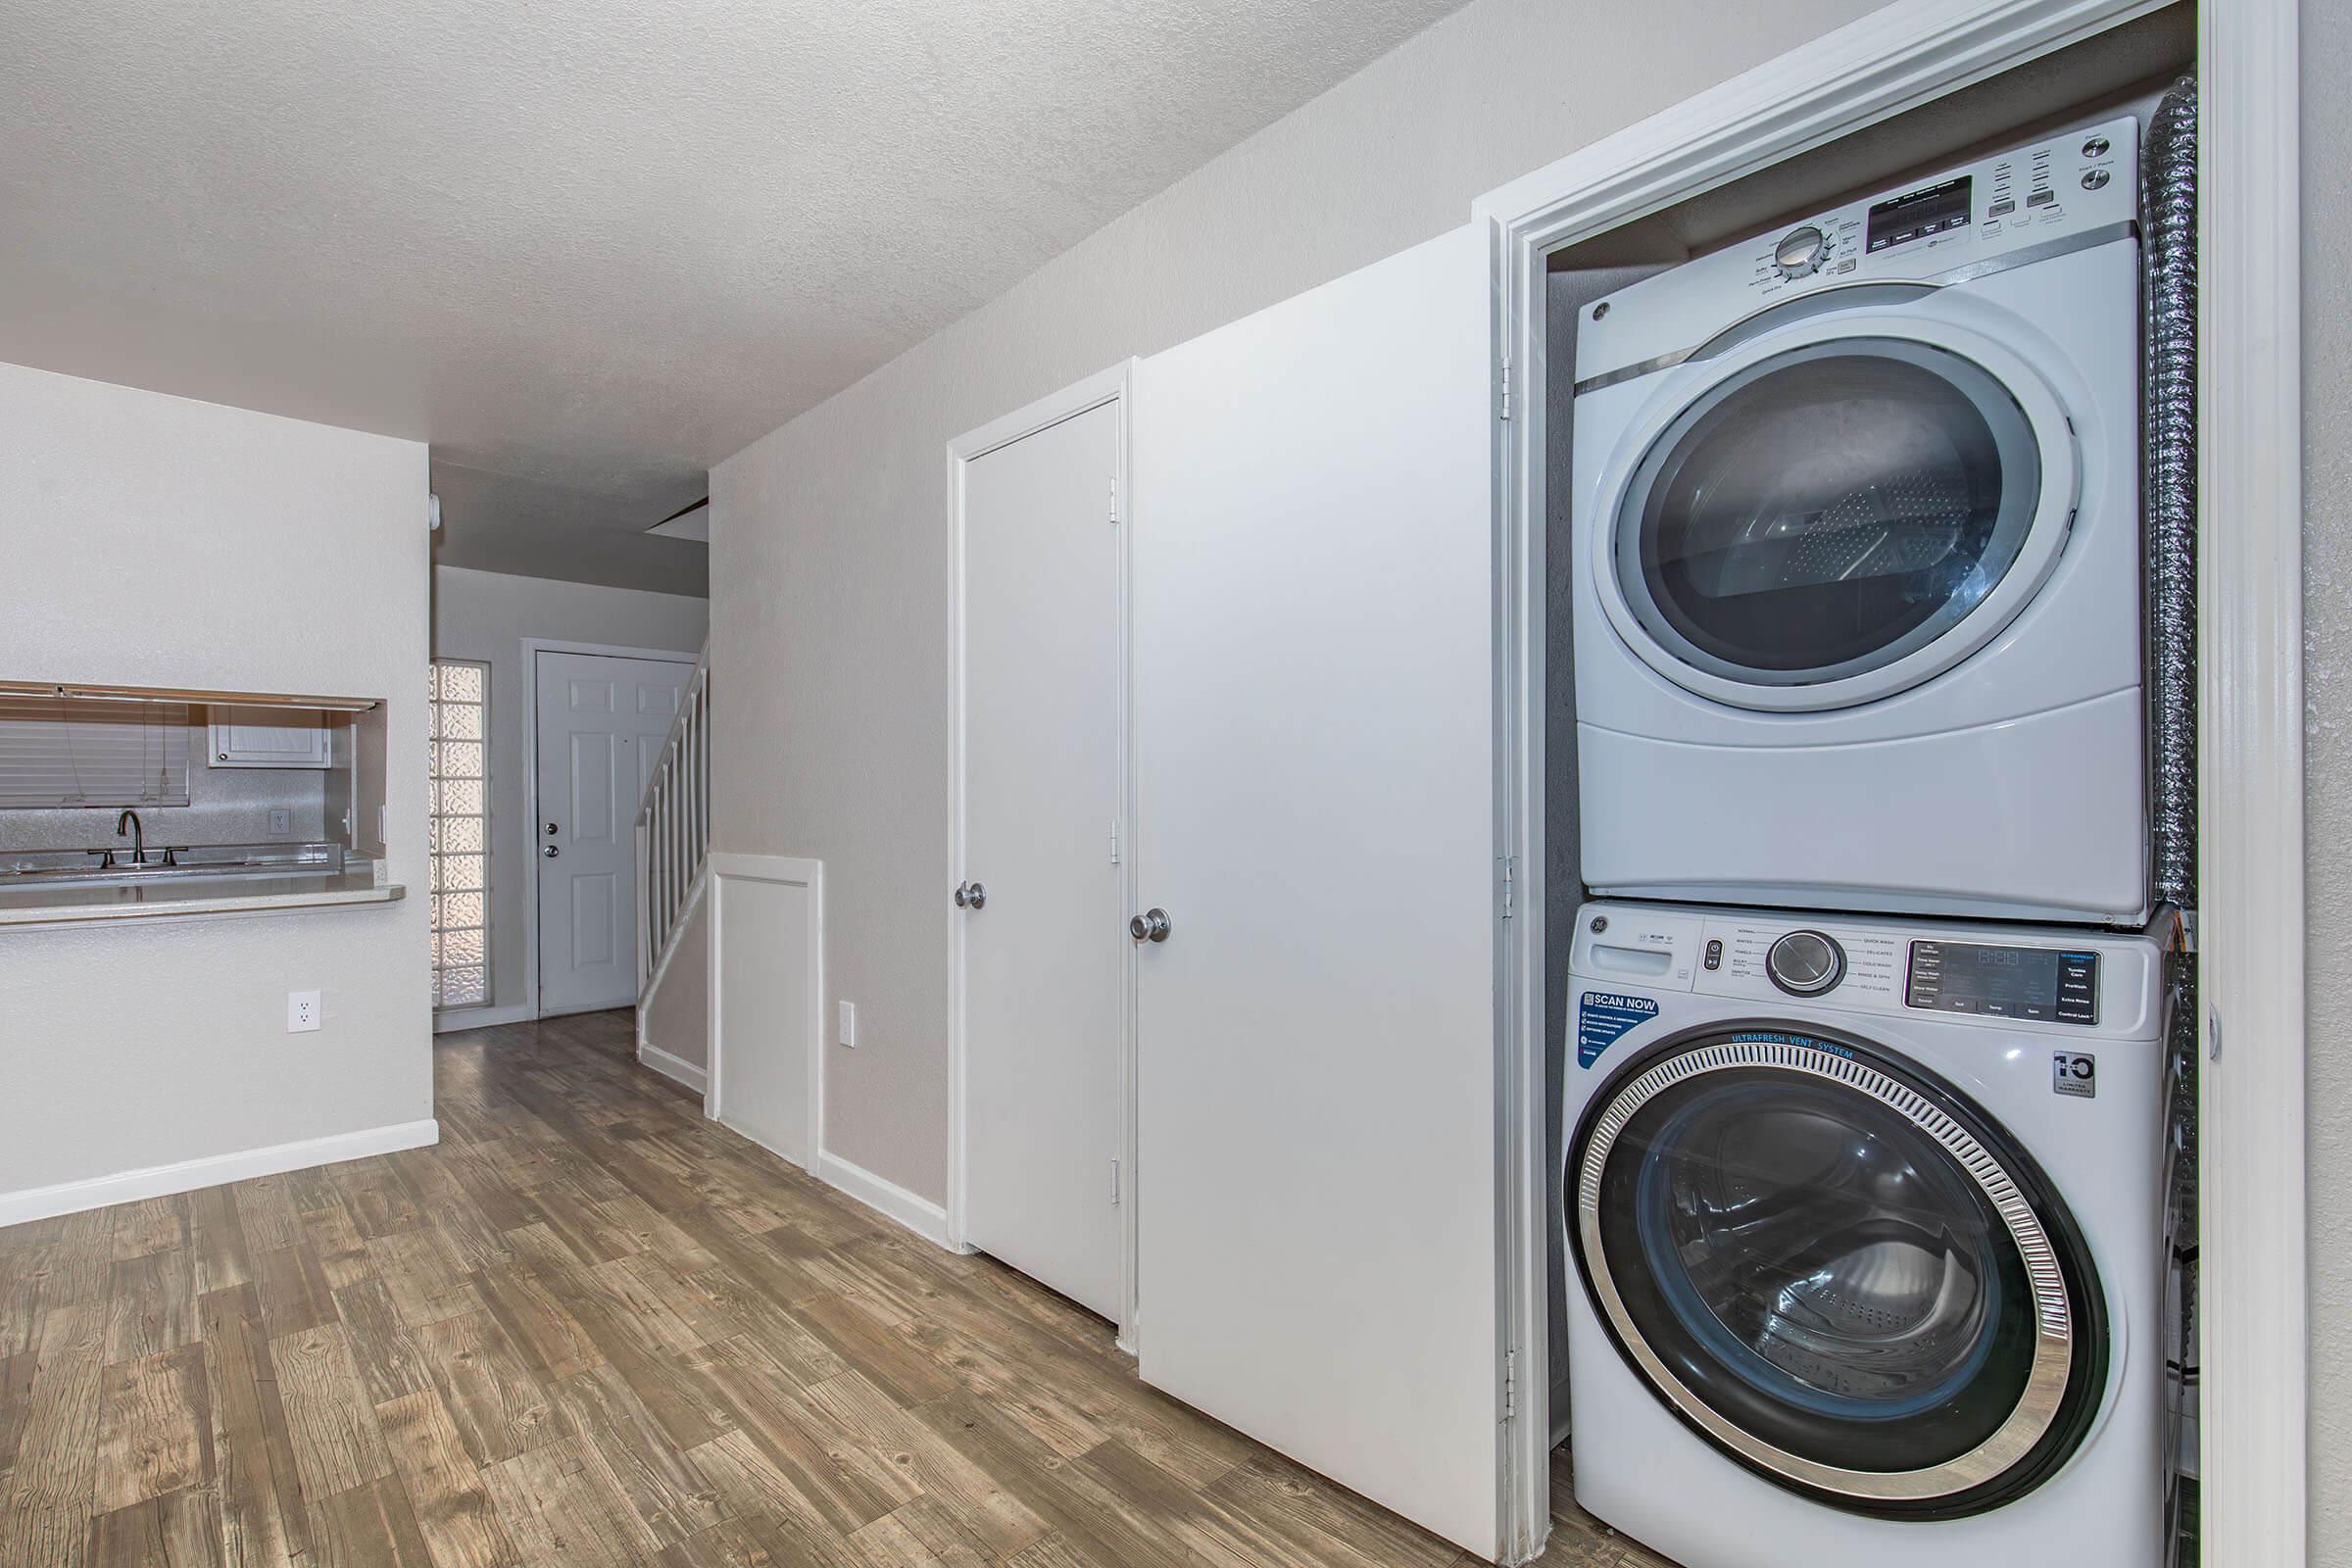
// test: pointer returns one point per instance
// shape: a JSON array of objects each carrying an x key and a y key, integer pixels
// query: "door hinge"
[
  {"x": 1115, "y": 841},
  {"x": 1510, "y": 1384},
  {"x": 1114, "y": 501},
  {"x": 1510, "y": 885},
  {"x": 1506, "y": 386},
  {"x": 1114, "y": 1182}
]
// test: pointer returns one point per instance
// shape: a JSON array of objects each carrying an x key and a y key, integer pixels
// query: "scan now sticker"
[{"x": 1601, "y": 1019}]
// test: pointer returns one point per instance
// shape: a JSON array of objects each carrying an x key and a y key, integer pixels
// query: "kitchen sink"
[{"x": 23, "y": 869}]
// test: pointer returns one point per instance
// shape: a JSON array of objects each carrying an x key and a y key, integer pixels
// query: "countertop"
[{"x": 193, "y": 895}]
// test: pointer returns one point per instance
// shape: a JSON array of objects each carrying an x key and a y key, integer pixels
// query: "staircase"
[{"x": 673, "y": 843}]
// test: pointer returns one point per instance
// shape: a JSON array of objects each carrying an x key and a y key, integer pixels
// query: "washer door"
[
  {"x": 1836, "y": 1271},
  {"x": 1836, "y": 511}
]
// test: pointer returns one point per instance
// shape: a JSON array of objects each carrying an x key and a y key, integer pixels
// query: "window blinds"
[{"x": 58, "y": 752}]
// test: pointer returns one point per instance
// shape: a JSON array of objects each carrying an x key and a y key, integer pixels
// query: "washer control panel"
[
  {"x": 1968, "y": 974},
  {"x": 1773, "y": 960},
  {"x": 2059, "y": 985}
]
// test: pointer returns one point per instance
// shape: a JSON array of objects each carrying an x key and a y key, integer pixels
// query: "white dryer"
[
  {"x": 1857, "y": 579},
  {"x": 1865, "y": 1227}
]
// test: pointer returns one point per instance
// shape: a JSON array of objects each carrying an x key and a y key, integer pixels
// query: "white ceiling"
[{"x": 589, "y": 247}]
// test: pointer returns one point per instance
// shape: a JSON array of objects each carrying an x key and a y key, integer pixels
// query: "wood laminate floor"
[{"x": 591, "y": 1328}]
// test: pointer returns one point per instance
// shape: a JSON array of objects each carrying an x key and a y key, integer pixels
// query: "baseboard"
[
  {"x": 676, "y": 1068},
  {"x": 188, "y": 1175},
  {"x": 918, "y": 1214},
  {"x": 457, "y": 1018}
]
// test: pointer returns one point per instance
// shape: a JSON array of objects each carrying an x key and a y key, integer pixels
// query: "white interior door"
[
  {"x": 602, "y": 719},
  {"x": 1313, "y": 717},
  {"x": 1045, "y": 949}
]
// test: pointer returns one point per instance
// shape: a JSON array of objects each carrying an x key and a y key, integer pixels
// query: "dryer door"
[
  {"x": 1837, "y": 1271},
  {"x": 1836, "y": 511}
]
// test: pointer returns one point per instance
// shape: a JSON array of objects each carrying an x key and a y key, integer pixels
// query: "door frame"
[
  {"x": 1116, "y": 386},
  {"x": 532, "y": 647},
  {"x": 2250, "y": 655}
]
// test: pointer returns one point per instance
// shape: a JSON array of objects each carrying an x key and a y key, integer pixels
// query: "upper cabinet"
[{"x": 270, "y": 736}]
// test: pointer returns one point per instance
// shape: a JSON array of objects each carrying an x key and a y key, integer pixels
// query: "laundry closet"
[
  {"x": 1632, "y": 900},
  {"x": 1869, "y": 855}
]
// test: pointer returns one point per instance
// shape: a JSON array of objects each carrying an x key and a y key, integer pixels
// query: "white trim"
[
  {"x": 2252, "y": 1143},
  {"x": 1895, "y": 59},
  {"x": 676, "y": 1068},
  {"x": 1115, "y": 385},
  {"x": 793, "y": 870},
  {"x": 918, "y": 1214},
  {"x": 532, "y": 647},
  {"x": 189, "y": 1175},
  {"x": 453, "y": 1019}
]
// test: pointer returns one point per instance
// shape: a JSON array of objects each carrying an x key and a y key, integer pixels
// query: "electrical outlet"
[
  {"x": 281, "y": 821},
  {"x": 848, "y": 1024},
  {"x": 302, "y": 1011}
]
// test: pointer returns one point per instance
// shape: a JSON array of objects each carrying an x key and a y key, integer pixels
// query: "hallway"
[{"x": 591, "y": 1328}]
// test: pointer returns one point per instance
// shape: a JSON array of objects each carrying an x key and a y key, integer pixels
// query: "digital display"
[
  {"x": 2034, "y": 984},
  {"x": 1921, "y": 212}
]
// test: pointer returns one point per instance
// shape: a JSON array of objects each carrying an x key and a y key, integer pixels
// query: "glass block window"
[{"x": 460, "y": 700}]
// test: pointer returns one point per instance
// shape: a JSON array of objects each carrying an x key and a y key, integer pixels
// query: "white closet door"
[
  {"x": 1045, "y": 954},
  {"x": 1313, "y": 646}
]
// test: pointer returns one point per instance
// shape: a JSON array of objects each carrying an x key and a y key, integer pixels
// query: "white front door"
[
  {"x": 1045, "y": 951},
  {"x": 602, "y": 719},
  {"x": 1314, "y": 712}
]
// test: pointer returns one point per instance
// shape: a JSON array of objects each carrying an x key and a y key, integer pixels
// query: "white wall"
[
  {"x": 2327, "y": 768},
  {"x": 678, "y": 1012},
  {"x": 829, "y": 564},
  {"x": 157, "y": 540},
  {"x": 486, "y": 616}
]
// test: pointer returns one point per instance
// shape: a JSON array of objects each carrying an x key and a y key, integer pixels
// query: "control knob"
[
  {"x": 1800, "y": 251},
  {"x": 1805, "y": 963}
]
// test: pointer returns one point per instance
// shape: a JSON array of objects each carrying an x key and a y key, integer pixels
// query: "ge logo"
[{"x": 2074, "y": 1072}]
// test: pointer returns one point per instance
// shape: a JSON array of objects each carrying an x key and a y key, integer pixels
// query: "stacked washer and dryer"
[{"x": 1863, "y": 1104}]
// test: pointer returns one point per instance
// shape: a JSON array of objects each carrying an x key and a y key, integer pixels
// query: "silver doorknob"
[
  {"x": 970, "y": 895},
  {"x": 1150, "y": 927},
  {"x": 551, "y": 830},
  {"x": 550, "y": 850}
]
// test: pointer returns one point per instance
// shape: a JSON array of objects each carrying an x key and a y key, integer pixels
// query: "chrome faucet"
[{"x": 139, "y": 837}]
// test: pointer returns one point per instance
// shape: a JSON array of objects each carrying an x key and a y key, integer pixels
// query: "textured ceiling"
[{"x": 589, "y": 247}]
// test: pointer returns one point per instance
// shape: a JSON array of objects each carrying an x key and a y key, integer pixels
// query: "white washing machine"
[
  {"x": 1864, "y": 1219},
  {"x": 1857, "y": 531}
]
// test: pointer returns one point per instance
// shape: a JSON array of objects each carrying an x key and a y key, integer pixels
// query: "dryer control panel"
[
  {"x": 2078, "y": 187},
  {"x": 1989, "y": 975}
]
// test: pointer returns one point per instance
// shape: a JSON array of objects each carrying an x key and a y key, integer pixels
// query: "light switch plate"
[
  {"x": 302, "y": 1011},
  {"x": 849, "y": 1024}
]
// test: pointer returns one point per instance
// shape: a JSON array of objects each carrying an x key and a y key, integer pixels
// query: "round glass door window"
[
  {"x": 1824, "y": 513},
  {"x": 1836, "y": 1273}
]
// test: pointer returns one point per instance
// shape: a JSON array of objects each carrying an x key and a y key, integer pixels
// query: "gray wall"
[
  {"x": 2328, "y": 761},
  {"x": 486, "y": 616},
  {"x": 155, "y": 541},
  {"x": 829, "y": 561}
]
